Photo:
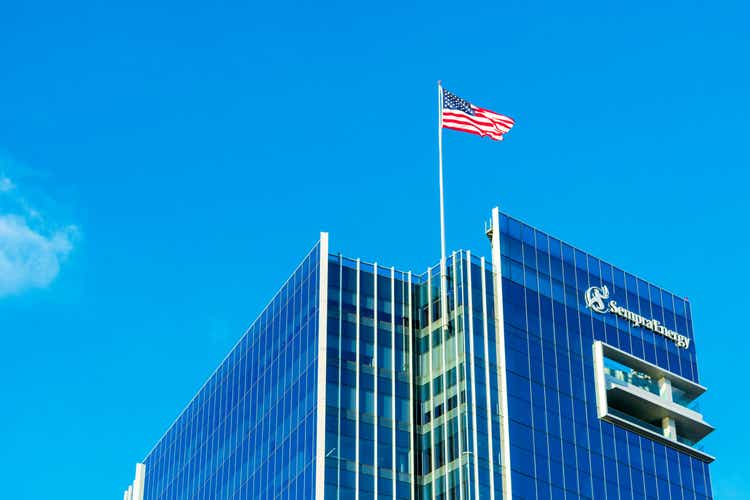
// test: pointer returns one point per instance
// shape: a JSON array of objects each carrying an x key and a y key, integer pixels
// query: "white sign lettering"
[{"x": 595, "y": 297}]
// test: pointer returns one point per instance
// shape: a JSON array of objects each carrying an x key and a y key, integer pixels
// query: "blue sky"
[{"x": 163, "y": 167}]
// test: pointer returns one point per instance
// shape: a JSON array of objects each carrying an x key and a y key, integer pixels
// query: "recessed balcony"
[
  {"x": 649, "y": 400},
  {"x": 652, "y": 409}
]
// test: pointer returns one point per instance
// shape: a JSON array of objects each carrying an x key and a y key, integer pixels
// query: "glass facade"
[
  {"x": 250, "y": 431},
  {"x": 560, "y": 448},
  {"x": 353, "y": 383},
  {"x": 411, "y": 399},
  {"x": 368, "y": 408}
]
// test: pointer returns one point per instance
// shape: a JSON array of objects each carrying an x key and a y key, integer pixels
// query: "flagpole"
[
  {"x": 443, "y": 264},
  {"x": 440, "y": 160}
]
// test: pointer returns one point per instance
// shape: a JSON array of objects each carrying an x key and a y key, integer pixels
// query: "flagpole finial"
[{"x": 440, "y": 83}]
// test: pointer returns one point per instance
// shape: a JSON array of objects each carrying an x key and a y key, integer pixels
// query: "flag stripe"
[
  {"x": 459, "y": 114},
  {"x": 470, "y": 126},
  {"x": 495, "y": 120},
  {"x": 447, "y": 117},
  {"x": 472, "y": 129},
  {"x": 455, "y": 123},
  {"x": 477, "y": 118},
  {"x": 494, "y": 115}
]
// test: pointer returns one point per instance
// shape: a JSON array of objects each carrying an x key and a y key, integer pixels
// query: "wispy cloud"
[
  {"x": 6, "y": 184},
  {"x": 31, "y": 247},
  {"x": 28, "y": 258}
]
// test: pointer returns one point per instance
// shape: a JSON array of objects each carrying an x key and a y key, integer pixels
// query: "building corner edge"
[
  {"x": 500, "y": 341},
  {"x": 136, "y": 490},
  {"x": 322, "y": 362}
]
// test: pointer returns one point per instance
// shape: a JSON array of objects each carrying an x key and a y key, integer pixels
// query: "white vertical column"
[
  {"x": 320, "y": 437},
  {"x": 429, "y": 383},
  {"x": 490, "y": 447},
  {"x": 356, "y": 403},
  {"x": 668, "y": 426},
  {"x": 470, "y": 383},
  {"x": 341, "y": 371},
  {"x": 139, "y": 483},
  {"x": 393, "y": 376},
  {"x": 410, "y": 362},
  {"x": 599, "y": 381},
  {"x": 444, "y": 375},
  {"x": 375, "y": 366},
  {"x": 458, "y": 379},
  {"x": 464, "y": 349},
  {"x": 665, "y": 389},
  {"x": 497, "y": 270}
]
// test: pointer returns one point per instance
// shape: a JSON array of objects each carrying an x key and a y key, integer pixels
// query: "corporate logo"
[{"x": 595, "y": 298}]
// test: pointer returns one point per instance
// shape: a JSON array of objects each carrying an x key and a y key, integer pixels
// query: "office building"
[{"x": 544, "y": 373}]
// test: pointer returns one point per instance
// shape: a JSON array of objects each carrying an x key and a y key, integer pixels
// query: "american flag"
[{"x": 459, "y": 114}]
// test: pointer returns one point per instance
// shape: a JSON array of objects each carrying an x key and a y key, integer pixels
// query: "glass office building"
[{"x": 543, "y": 372}]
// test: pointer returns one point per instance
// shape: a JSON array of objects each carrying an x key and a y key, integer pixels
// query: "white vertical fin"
[
  {"x": 471, "y": 383},
  {"x": 140, "y": 482},
  {"x": 487, "y": 385},
  {"x": 394, "y": 467},
  {"x": 458, "y": 379},
  {"x": 599, "y": 380},
  {"x": 497, "y": 274},
  {"x": 356, "y": 402},
  {"x": 375, "y": 365},
  {"x": 409, "y": 360},
  {"x": 320, "y": 437},
  {"x": 429, "y": 363}
]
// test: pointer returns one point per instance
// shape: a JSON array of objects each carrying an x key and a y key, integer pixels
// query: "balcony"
[{"x": 649, "y": 400}]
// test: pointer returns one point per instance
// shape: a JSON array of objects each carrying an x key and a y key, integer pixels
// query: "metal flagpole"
[
  {"x": 440, "y": 156},
  {"x": 443, "y": 264},
  {"x": 443, "y": 271}
]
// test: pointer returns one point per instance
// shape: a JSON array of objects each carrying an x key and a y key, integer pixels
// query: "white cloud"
[
  {"x": 29, "y": 258},
  {"x": 6, "y": 185},
  {"x": 31, "y": 249}
]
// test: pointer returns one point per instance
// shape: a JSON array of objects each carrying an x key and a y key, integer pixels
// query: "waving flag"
[{"x": 459, "y": 114}]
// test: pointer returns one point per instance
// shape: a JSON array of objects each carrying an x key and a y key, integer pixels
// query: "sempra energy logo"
[{"x": 595, "y": 297}]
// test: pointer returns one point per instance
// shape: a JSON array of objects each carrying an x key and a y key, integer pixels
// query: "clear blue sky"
[{"x": 163, "y": 167}]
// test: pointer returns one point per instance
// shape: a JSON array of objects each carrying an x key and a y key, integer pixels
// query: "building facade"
[{"x": 541, "y": 373}]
